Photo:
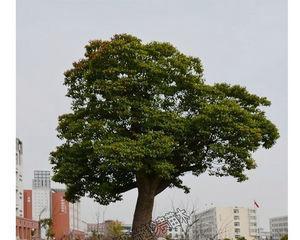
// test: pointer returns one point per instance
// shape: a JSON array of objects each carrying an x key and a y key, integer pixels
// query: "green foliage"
[
  {"x": 48, "y": 225},
  {"x": 285, "y": 237},
  {"x": 241, "y": 238},
  {"x": 145, "y": 110},
  {"x": 114, "y": 230},
  {"x": 168, "y": 237},
  {"x": 95, "y": 236}
]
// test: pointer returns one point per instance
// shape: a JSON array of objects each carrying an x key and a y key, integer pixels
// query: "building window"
[
  {"x": 236, "y": 224},
  {"x": 237, "y": 230},
  {"x": 236, "y": 218},
  {"x": 235, "y": 210}
]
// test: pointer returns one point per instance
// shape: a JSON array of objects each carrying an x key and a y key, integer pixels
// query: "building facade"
[
  {"x": 98, "y": 228},
  {"x": 225, "y": 222},
  {"x": 102, "y": 228},
  {"x": 26, "y": 229},
  {"x": 278, "y": 227},
  {"x": 27, "y": 204},
  {"x": 19, "y": 178},
  {"x": 175, "y": 233},
  {"x": 264, "y": 235},
  {"x": 74, "y": 214},
  {"x": 66, "y": 217},
  {"x": 41, "y": 195},
  {"x": 60, "y": 214}
]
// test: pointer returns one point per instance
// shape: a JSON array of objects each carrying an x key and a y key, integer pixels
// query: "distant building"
[
  {"x": 95, "y": 227},
  {"x": 127, "y": 228},
  {"x": 19, "y": 178},
  {"x": 66, "y": 217},
  {"x": 60, "y": 215},
  {"x": 102, "y": 228},
  {"x": 278, "y": 227},
  {"x": 26, "y": 228},
  {"x": 264, "y": 235},
  {"x": 75, "y": 216},
  {"x": 225, "y": 222},
  {"x": 175, "y": 233},
  {"x": 27, "y": 204},
  {"x": 41, "y": 195}
]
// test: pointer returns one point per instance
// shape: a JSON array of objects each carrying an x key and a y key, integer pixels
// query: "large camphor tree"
[{"x": 142, "y": 116}]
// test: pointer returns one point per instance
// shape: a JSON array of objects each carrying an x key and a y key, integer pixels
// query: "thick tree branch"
[
  {"x": 162, "y": 187},
  {"x": 122, "y": 189}
]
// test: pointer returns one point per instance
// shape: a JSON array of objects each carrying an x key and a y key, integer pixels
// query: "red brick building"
[
  {"x": 26, "y": 229},
  {"x": 60, "y": 215},
  {"x": 61, "y": 218},
  {"x": 27, "y": 205}
]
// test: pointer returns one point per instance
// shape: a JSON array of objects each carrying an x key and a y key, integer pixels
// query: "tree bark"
[
  {"x": 147, "y": 189},
  {"x": 143, "y": 212}
]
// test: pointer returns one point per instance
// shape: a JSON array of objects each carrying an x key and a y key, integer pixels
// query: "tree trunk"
[
  {"x": 147, "y": 189},
  {"x": 143, "y": 210}
]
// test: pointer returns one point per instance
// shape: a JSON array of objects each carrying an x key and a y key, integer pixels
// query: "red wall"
[
  {"x": 60, "y": 215},
  {"x": 27, "y": 204},
  {"x": 26, "y": 229}
]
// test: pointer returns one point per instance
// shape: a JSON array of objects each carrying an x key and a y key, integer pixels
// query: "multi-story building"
[
  {"x": 95, "y": 227},
  {"x": 175, "y": 233},
  {"x": 27, "y": 204},
  {"x": 60, "y": 214},
  {"x": 264, "y": 235},
  {"x": 19, "y": 178},
  {"x": 41, "y": 195},
  {"x": 26, "y": 228},
  {"x": 225, "y": 222},
  {"x": 66, "y": 217},
  {"x": 278, "y": 227},
  {"x": 74, "y": 215}
]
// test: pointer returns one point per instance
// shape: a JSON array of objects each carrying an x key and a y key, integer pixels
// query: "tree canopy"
[{"x": 144, "y": 109}]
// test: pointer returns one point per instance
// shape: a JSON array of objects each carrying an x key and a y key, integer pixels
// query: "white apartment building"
[
  {"x": 225, "y": 222},
  {"x": 176, "y": 233},
  {"x": 264, "y": 235},
  {"x": 19, "y": 178},
  {"x": 278, "y": 227},
  {"x": 75, "y": 217},
  {"x": 41, "y": 195}
]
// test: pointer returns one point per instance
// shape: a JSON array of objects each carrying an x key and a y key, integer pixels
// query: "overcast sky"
[{"x": 239, "y": 42}]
